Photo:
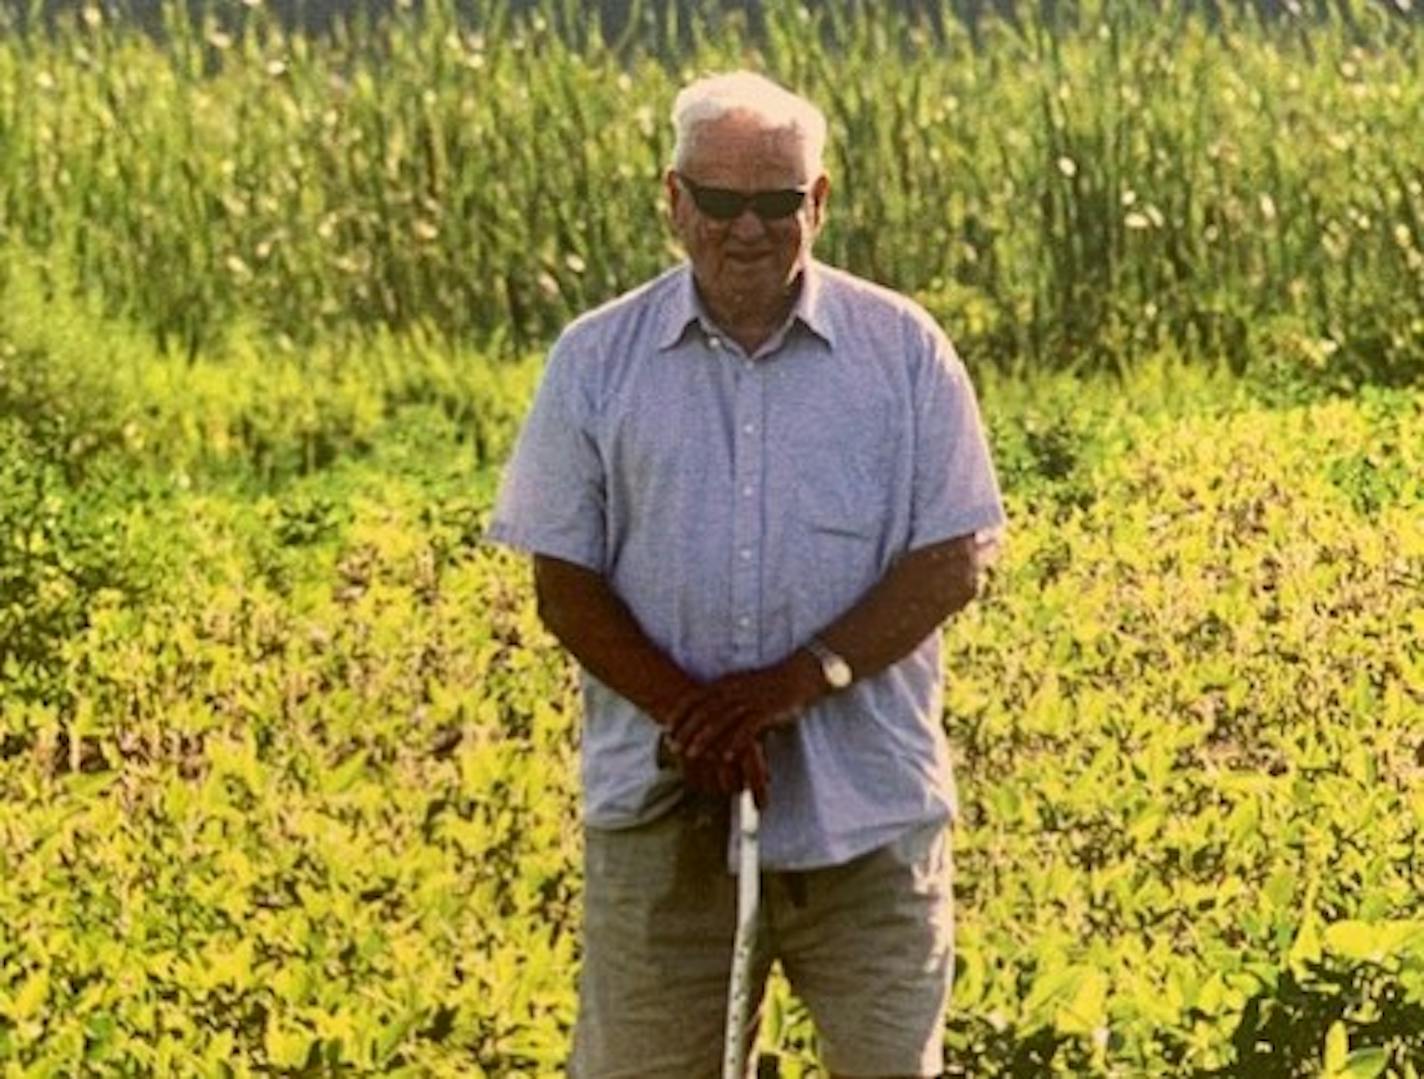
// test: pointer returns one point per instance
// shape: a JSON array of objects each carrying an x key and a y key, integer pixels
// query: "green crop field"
[{"x": 288, "y": 766}]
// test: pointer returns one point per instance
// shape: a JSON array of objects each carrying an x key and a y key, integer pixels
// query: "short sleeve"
[
  {"x": 552, "y": 495},
  {"x": 955, "y": 490}
]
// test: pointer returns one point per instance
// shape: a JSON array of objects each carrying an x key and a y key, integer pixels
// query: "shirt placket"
[{"x": 749, "y": 473}]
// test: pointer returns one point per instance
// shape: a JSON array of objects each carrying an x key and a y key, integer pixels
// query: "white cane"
[{"x": 748, "y": 895}]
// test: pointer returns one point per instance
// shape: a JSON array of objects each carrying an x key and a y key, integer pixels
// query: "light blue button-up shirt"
[{"x": 740, "y": 504}]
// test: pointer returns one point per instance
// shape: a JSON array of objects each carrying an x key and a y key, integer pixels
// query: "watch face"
[{"x": 835, "y": 670}]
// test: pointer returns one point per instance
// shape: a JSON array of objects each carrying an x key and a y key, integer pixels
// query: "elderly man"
[{"x": 754, "y": 488}]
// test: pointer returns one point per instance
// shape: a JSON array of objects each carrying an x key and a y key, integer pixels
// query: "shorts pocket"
[{"x": 925, "y": 852}]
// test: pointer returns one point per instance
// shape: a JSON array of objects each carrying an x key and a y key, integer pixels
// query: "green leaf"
[
  {"x": 1337, "y": 1048},
  {"x": 1307, "y": 948},
  {"x": 99, "y": 1028},
  {"x": 1086, "y": 1010},
  {"x": 31, "y": 997},
  {"x": 345, "y": 774},
  {"x": 1053, "y": 986},
  {"x": 83, "y": 786},
  {"x": 235, "y": 968},
  {"x": 971, "y": 977},
  {"x": 1365, "y": 1063},
  {"x": 392, "y": 1034},
  {"x": 1280, "y": 889},
  {"x": 286, "y": 1047},
  {"x": 1353, "y": 940}
]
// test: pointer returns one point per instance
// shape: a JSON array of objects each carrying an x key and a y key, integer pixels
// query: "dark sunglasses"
[{"x": 722, "y": 204}]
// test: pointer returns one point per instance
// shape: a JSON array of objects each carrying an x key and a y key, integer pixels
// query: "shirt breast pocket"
[
  {"x": 840, "y": 505},
  {"x": 840, "y": 517}
]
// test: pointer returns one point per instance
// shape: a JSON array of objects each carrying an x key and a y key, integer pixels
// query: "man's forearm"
[
  {"x": 882, "y": 627},
  {"x": 919, "y": 592},
  {"x": 583, "y": 612},
  {"x": 589, "y": 619}
]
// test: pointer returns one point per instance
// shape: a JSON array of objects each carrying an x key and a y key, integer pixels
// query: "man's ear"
[
  {"x": 673, "y": 190},
  {"x": 820, "y": 194}
]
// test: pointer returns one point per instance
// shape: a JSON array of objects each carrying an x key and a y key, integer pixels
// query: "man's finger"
[
  {"x": 685, "y": 713},
  {"x": 710, "y": 777},
  {"x": 730, "y": 776},
  {"x": 706, "y": 708},
  {"x": 741, "y": 740},
  {"x": 710, "y": 735},
  {"x": 692, "y": 708},
  {"x": 757, "y": 774}
]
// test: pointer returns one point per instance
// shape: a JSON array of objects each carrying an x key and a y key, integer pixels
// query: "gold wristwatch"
[{"x": 834, "y": 669}]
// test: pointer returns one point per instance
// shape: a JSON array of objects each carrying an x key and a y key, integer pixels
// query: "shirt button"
[
  {"x": 747, "y": 491},
  {"x": 744, "y": 621},
  {"x": 749, "y": 428},
  {"x": 715, "y": 342},
  {"x": 746, "y": 553}
]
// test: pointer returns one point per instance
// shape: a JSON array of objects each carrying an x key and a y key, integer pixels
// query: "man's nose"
[{"x": 747, "y": 225}]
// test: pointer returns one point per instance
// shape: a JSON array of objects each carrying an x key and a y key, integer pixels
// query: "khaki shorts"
[{"x": 866, "y": 945}]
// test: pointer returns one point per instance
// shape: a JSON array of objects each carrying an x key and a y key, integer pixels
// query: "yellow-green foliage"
[
  {"x": 332, "y": 822},
  {"x": 1068, "y": 190},
  {"x": 289, "y": 767},
  {"x": 295, "y": 786},
  {"x": 82, "y": 383},
  {"x": 1189, "y": 716}
]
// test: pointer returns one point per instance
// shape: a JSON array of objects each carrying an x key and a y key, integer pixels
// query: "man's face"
[{"x": 744, "y": 265}]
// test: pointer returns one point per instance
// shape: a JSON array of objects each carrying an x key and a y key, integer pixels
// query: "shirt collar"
[{"x": 684, "y": 307}]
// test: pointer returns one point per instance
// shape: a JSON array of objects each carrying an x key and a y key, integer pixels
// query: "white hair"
[{"x": 777, "y": 108}]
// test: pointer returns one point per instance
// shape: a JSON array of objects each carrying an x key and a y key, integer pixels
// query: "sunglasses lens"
[
  {"x": 719, "y": 203},
  {"x": 722, "y": 204},
  {"x": 770, "y": 205}
]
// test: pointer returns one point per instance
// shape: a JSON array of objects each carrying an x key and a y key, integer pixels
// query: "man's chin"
[{"x": 760, "y": 277}]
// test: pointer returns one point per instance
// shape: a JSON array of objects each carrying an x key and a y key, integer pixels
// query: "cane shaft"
[{"x": 748, "y": 897}]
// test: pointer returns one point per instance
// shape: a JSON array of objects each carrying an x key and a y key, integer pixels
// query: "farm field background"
[{"x": 288, "y": 765}]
